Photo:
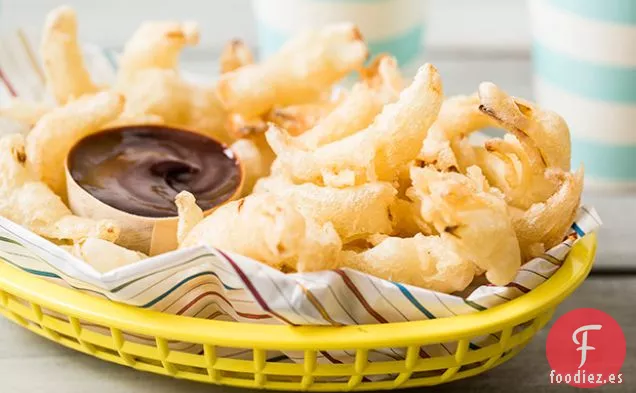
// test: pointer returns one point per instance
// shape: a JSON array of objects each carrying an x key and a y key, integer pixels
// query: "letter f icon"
[{"x": 584, "y": 347}]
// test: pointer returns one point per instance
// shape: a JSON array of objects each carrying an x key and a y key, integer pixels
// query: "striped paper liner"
[
  {"x": 204, "y": 282},
  {"x": 584, "y": 56},
  {"x": 207, "y": 283}
]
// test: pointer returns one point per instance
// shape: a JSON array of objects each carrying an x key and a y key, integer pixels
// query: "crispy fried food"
[
  {"x": 25, "y": 112},
  {"x": 13, "y": 163},
  {"x": 260, "y": 227},
  {"x": 355, "y": 212},
  {"x": 424, "y": 261},
  {"x": 163, "y": 93},
  {"x": 545, "y": 224},
  {"x": 235, "y": 55},
  {"x": 507, "y": 165},
  {"x": 321, "y": 247},
  {"x": 48, "y": 144},
  {"x": 297, "y": 119},
  {"x": 381, "y": 85},
  {"x": 156, "y": 45},
  {"x": 530, "y": 165},
  {"x": 406, "y": 218},
  {"x": 474, "y": 218},
  {"x": 128, "y": 120},
  {"x": 55, "y": 221},
  {"x": 300, "y": 72},
  {"x": 30, "y": 203},
  {"x": 546, "y": 131},
  {"x": 272, "y": 183},
  {"x": 190, "y": 214},
  {"x": 444, "y": 147},
  {"x": 400, "y": 128},
  {"x": 343, "y": 163},
  {"x": 465, "y": 213},
  {"x": 516, "y": 164},
  {"x": 239, "y": 126},
  {"x": 376, "y": 153},
  {"x": 383, "y": 75},
  {"x": 539, "y": 140},
  {"x": 256, "y": 158},
  {"x": 269, "y": 230},
  {"x": 102, "y": 255},
  {"x": 66, "y": 75}
]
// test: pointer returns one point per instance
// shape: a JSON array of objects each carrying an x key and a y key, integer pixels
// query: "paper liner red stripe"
[
  {"x": 7, "y": 84},
  {"x": 518, "y": 286},
  {"x": 358, "y": 295},
  {"x": 253, "y": 290},
  {"x": 216, "y": 294}
]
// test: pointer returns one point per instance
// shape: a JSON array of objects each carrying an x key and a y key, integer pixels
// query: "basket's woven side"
[{"x": 260, "y": 369}]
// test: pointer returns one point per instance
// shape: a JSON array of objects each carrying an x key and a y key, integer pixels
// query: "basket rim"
[{"x": 283, "y": 337}]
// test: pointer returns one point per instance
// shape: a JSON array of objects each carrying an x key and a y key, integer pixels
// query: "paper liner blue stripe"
[
  {"x": 578, "y": 230},
  {"x": 414, "y": 301},
  {"x": 176, "y": 286}
]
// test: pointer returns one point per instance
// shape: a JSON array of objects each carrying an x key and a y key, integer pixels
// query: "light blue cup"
[
  {"x": 584, "y": 55},
  {"x": 391, "y": 26}
]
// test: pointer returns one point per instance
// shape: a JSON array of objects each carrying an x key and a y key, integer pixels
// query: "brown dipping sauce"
[{"x": 140, "y": 169}]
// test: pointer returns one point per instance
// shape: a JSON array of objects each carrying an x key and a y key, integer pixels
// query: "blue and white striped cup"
[
  {"x": 393, "y": 26},
  {"x": 584, "y": 55}
]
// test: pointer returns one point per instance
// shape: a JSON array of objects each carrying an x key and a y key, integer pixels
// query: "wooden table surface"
[{"x": 30, "y": 364}]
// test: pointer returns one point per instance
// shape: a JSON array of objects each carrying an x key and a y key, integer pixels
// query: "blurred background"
[
  {"x": 484, "y": 24},
  {"x": 469, "y": 41}
]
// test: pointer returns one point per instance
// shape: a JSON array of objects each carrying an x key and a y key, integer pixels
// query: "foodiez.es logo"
[{"x": 586, "y": 348}]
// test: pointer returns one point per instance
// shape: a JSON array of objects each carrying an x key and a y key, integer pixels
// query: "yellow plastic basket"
[{"x": 102, "y": 329}]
